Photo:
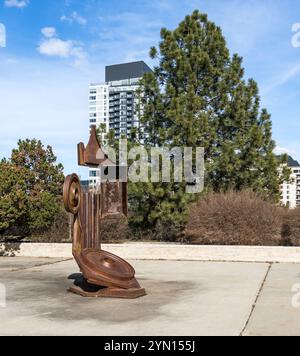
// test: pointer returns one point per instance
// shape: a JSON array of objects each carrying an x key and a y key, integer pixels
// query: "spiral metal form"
[{"x": 72, "y": 194}]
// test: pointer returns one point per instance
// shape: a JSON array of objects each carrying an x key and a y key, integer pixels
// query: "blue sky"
[{"x": 55, "y": 48}]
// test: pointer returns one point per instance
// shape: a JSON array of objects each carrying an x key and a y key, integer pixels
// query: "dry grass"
[{"x": 234, "y": 218}]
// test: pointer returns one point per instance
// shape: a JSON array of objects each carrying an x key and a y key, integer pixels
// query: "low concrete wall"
[{"x": 155, "y": 251}]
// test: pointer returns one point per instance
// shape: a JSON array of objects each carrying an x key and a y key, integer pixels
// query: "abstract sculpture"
[{"x": 103, "y": 274}]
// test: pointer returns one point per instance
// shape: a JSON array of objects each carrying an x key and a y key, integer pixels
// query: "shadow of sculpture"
[{"x": 80, "y": 282}]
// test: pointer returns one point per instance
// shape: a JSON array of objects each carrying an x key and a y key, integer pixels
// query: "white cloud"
[
  {"x": 49, "y": 32},
  {"x": 282, "y": 79},
  {"x": 296, "y": 36},
  {"x": 283, "y": 150},
  {"x": 53, "y": 46},
  {"x": 134, "y": 32},
  {"x": 66, "y": 19},
  {"x": 245, "y": 24},
  {"x": 74, "y": 17},
  {"x": 2, "y": 35},
  {"x": 16, "y": 3}
]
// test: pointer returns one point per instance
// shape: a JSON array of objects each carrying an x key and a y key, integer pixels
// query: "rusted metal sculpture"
[{"x": 104, "y": 274}]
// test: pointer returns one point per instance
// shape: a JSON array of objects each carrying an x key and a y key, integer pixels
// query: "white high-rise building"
[
  {"x": 290, "y": 192},
  {"x": 99, "y": 105},
  {"x": 112, "y": 105}
]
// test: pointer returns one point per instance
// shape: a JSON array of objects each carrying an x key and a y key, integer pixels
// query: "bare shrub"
[
  {"x": 234, "y": 218},
  {"x": 291, "y": 228},
  {"x": 114, "y": 230}
]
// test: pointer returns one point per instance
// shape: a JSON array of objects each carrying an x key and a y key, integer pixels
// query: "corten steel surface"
[
  {"x": 92, "y": 155},
  {"x": 104, "y": 274}
]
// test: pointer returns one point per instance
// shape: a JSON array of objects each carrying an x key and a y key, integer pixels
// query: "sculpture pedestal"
[{"x": 84, "y": 289}]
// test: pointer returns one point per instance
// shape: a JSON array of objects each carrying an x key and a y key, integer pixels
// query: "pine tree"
[{"x": 197, "y": 97}]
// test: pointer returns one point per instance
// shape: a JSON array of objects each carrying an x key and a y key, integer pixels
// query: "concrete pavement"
[{"x": 184, "y": 298}]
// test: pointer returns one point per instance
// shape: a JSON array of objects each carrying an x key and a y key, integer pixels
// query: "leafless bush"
[
  {"x": 234, "y": 218},
  {"x": 115, "y": 231},
  {"x": 291, "y": 228}
]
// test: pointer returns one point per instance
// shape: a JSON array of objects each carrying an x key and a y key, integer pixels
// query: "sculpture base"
[{"x": 87, "y": 290}]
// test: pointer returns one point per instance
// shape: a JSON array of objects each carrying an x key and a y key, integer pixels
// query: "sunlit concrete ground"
[{"x": 184, "y": 298}]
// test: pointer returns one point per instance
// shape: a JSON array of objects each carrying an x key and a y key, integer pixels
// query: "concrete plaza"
[{"x": 184, "y": 298}]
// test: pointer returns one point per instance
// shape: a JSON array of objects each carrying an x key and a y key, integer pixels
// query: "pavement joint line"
[
  {"x": 214, "y": 261},
  {"x": 209, "y": 261},
  {"x": 39, "y": 265},
  {"x": 256, "y": 299}
]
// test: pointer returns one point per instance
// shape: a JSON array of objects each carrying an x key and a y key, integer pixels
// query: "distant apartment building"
[
  {"x": 290, "y": 192},
  {"x": 112, "y": 105}
]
